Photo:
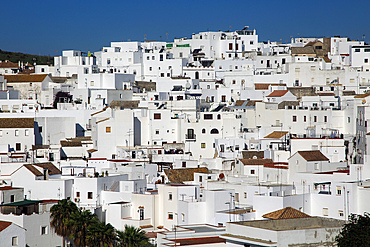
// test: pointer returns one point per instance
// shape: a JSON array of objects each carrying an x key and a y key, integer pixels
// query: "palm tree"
[
  {"x": 79, "y": 223},
  {"x": 101, "y": 234},
  {"x": 60, "y": 215},
  {"x": 132, "y": 237}
]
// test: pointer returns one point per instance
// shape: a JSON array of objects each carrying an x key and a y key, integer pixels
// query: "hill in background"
[{"x": 17, "y": 56}]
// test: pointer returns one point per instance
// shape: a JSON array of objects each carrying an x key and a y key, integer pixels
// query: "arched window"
[
  {"x": 214, "y": 131},
  {"x": 203, "y": 131},
  {"x": 219, "y": 116}
]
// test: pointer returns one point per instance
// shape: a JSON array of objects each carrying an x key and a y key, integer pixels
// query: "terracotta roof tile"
[
  {"x": 277, "y": 134},
  {"x": 314, "y": 155},
  {"x": 251, "y": 153},
  {"x": 51, "y": 168},
  {"x": 25, "y": 78},
  {"x": 4, "y": 225},
  {"x": 8, "y": 123},
  {"x": 362, "y": 95},
  {"x": 286, "y": 213},
  {"x": 239, "y": 102},
  {"x": 8, "y": 64},
  {"x": 278, "y": 93},
  {"x": 326, "y": 94},
  {"x": 8, "y": 188},
  {"x": 33, "y": 169},
  {"x": 183, "y": 174},
  {"x": 255, "y": 161}
]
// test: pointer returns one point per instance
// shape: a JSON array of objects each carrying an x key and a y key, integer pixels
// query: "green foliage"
[
  {"x": 356, "y": 232},
  {"x": 132, "y": 237},
  {"x": 60, "y": 215},
  {"x": 84, "y": 228},
  {"x": 16, "y": 56}
]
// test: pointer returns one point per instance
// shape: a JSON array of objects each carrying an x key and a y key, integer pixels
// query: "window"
[
  {"x": 1, "y": 133},
  {"x": 325, "y": 211},
  {"x": 251, "y": 42},
  {"x": 14, "y": 241},
  {"x": 89, "y": 195},
  {"x": 183, "y": 164},
  {"x": 325, "y": 119},
  {"x": 203, "y": 131},
  {"x": 200, "y": 179},
  {"x": 214, "y": 131},
  {"x": 304, "y": 119},
  {"x": 219, "y": 116},
  {"x": 180, "y": 54},
  {"x": 170, "y": 216},
  {"x": 153, "y": 58},
  {"x": 157, "y": 131},
  {"x": 162, "y": 74},
  {"x": 11, "y": 198},
  {"x": 315, "y": 119},
  {"x": 340, "y": 213},
  {"x": 77, "y": 194},
  {"x": 18, "y": 147},
  {"x": 16, "y": 132},
  {"x": 27, "y": 132},
  {"x": 147, "y": 58},
  {"x": 157, "y": 116},
  {"x": 357, "y": 50},
  {"x": 203, "y": 145},
  {"x": 245, "y": 194},
  {"x": 44, "y": 230},
  {"x": 294, "y": 118},
  {"x": 230, "y": 46},
  {"x": 366, "y": 60},
  {"x": 223, "y": 98},
  {"x": 108, "y": 129},
  {"x": 183, "y": 217},
  {"x": 349, "y": 120},
  {"x": 339, "y": 190},
  {"x": 208, "y": 116},
  {"x": 150, "y": 68},
  {"x": 252, "y": 171},
  {"x": 170, "y": 196}
]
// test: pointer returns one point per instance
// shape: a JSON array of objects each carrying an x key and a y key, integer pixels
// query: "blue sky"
[{"x": 48, "y": 27}]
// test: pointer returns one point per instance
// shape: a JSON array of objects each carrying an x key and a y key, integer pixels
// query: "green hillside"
[{"x": 17, "y": 56}]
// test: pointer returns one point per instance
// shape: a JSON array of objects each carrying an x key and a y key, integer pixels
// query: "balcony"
[{"x": 190, "y": 137}]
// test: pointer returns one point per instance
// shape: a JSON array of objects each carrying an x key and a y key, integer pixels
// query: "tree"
[
  {"x": 132, "y": 237},
  {"x": 356, "y": 232},
  {"x": 60, "y": 215},
  {"x": 101, "y": 234},
  {"x": 79, "y": 223}
]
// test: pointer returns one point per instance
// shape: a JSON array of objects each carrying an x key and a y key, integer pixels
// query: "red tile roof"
[
  {"x": 4, "y": 225},
  {"x": 8, "y": 188},
  {"x": 256, "y": 161},
  {"x": 16, "y": 123},
  {"x": 8, "y": 64},
  {"x": 313, "y": 155},
  {"x": 277, "y": 134},
  {"x": 25, "y": 78},
  {"x": 199, "y": 241},
  {"x": 286, "y": 213},
  {"x": 277, "y": 93}
]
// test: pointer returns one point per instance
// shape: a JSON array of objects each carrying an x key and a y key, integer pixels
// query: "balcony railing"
[{"x": 190, "y": 137}]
